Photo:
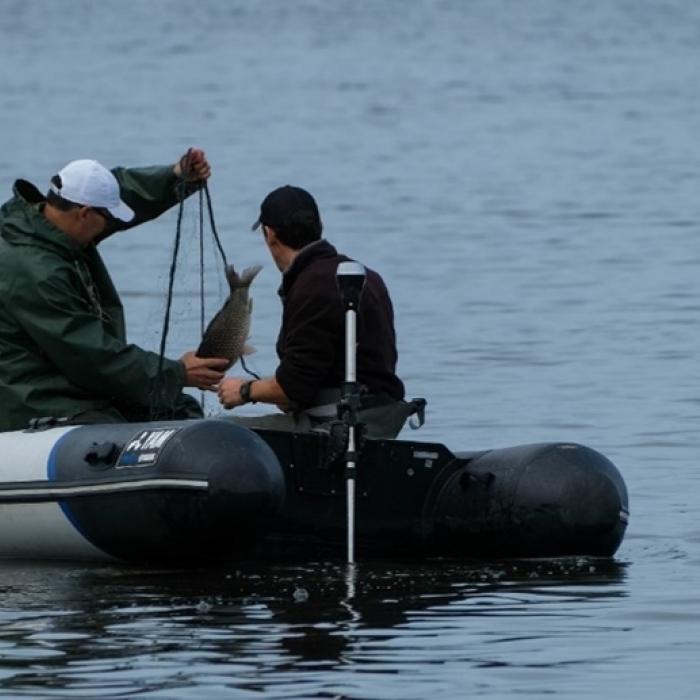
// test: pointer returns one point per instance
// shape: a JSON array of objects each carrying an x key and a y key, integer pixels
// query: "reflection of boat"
[{"x": 187, "y": 490}]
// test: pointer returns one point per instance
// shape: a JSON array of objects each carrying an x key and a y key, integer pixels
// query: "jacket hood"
[{"x": 23, "y": 223}]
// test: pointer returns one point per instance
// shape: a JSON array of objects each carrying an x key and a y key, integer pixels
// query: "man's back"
[{"x": 311, "y": 343}]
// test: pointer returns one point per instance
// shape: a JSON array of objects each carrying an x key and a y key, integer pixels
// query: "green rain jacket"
[{"x": 63, "y": 348}]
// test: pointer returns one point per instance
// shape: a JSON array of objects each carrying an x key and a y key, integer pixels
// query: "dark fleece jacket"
[{"x": 311, "y": 343}]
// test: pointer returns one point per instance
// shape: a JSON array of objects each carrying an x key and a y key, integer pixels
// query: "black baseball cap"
[{"x": 288, "y": 205}]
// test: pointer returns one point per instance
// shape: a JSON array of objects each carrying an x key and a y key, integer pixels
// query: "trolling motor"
[{"x": 350, "y": 277}]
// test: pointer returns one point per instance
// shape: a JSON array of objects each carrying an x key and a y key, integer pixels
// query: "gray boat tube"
[{"x": 175, "y": 490}]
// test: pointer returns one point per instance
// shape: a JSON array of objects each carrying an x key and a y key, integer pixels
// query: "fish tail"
[
  {"x": 234, "y": 281},
  {"x": 248, "y": 275}
]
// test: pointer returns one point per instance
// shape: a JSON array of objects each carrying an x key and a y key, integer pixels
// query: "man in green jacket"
[{"x": 63, "y": 348}]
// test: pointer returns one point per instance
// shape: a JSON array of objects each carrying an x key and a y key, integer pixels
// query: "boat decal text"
[{"x": 143, "y": 449}]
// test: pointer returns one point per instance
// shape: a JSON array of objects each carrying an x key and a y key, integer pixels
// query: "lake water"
[{"x": 524, "y": 174}]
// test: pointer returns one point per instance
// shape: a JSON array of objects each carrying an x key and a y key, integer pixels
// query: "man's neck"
[
  {"x": 285, "y": 257},
  {"x": 62, "y": 221},
  {"x": 57, "y": 217},
  {"x": 294, "y": 254}
]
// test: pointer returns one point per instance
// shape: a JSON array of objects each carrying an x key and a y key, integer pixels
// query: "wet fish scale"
[{"x": 228, "y": 331}]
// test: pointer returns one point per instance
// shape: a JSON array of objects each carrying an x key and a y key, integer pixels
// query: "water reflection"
[{"x": 142, "y": 629}]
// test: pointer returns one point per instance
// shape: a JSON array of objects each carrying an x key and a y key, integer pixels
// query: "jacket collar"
[{"x": 309, "y": 253}]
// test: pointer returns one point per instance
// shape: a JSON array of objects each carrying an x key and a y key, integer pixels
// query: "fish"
[{"x": 228, "y": 331}]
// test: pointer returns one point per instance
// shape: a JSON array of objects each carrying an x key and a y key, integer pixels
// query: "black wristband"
[{"x": 245, "y": 391}]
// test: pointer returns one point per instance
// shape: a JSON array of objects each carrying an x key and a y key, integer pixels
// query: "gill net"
[{"x": 159, "y": 408}]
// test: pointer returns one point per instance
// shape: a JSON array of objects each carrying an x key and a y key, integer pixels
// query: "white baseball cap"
[{"x": 89, "y": 183}]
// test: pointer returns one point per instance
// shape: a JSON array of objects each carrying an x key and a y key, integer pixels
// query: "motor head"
[{"x": 350, "y": 277}]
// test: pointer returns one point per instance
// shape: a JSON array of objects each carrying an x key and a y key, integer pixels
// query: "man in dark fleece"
[
  {"x": 63, "y": 347},
  {"x": 311, "y": 343}
]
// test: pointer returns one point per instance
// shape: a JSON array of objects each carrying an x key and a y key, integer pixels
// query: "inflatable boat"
[
  {"x": 203, "y": 490},
  {"x": 210, "y": 490}
]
